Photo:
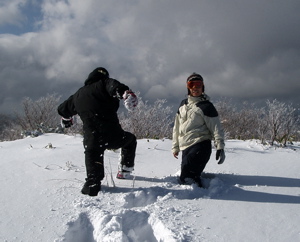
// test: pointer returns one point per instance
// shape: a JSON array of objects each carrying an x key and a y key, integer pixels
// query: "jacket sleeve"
[
  {"x": 175, "y": 138},
  {"x": 67, "y": 108},
  {"x": 115, "y": 88},
  {"x": 216, "y": 130},
  {"x": 175, "y": 142}
]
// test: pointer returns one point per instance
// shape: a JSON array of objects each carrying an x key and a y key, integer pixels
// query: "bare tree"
[
  {"x": 246, "y": 122},
  {"x": 262, "y": 124},
  {"x": 148, "y": 121},
  {"x": 40, "y": 114},
  {"x": 9, "y": 130},
  {"x": 283, "y": 121},
  {"x": 277, "y": 122},
  {"x": 289, "y": 125},
  {"x": 227, "y": 112},
  {"x": 5, "y": 120},
  {"x": 275, "y": 114}
]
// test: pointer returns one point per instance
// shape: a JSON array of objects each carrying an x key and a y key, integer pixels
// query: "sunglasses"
[{"x": 196, "y": 84}]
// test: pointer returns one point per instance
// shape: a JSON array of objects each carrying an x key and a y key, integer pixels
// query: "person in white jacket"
[{"x": 196, "y": 124}]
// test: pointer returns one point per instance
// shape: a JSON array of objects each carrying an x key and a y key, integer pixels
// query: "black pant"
[
  {"x": 194, "y": 159},
  {"x": 95, "y": 143}
]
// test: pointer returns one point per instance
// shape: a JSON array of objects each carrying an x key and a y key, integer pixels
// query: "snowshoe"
[{"x": 123, "y": 174}]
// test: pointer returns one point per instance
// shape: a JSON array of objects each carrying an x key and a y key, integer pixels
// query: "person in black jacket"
[{"x": 97, "y": 103}]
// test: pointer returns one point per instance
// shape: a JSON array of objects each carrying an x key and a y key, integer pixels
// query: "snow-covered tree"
[
  {"x": 148, "y": 121},
  {"x": 262, "y": 124},
  {"x": 40, "y": 115}
]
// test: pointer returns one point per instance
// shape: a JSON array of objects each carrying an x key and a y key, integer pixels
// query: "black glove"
[
  {"x": 66, "y": 122},
  {"x": 220, "y": 154}
]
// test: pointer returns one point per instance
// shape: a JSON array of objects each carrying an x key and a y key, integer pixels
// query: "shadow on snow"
[{"x": 217, "y": 186}]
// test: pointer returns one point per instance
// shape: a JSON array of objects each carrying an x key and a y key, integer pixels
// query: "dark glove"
[
  {"x": 220, "y": 154},
  {"x": 66, "y": 122}
]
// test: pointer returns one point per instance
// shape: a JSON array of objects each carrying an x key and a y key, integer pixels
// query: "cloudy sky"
[{"x": 245, "y": 50}]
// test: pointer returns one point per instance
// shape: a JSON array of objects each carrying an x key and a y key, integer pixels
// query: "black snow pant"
[
  {"x": 194, "y": 159},
  {"x": 95, "y": 143}
]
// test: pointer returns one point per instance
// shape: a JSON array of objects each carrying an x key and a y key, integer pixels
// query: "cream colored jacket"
[{"x": 196, "y": 120}]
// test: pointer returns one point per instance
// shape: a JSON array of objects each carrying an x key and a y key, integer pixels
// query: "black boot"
[
  {"x": 198, "y": 182},
  {"x": 91, "y": 187},
  {"x": 190, "y": 181}
]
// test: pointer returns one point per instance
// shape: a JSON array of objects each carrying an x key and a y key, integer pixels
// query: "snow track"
[{"x": 139, "y": 214}]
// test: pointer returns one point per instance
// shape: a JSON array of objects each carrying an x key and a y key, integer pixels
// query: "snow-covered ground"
[{"x": 253, "y": 196}]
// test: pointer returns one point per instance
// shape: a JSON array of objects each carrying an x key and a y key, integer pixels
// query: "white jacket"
[{"x": 196, "y": 120}]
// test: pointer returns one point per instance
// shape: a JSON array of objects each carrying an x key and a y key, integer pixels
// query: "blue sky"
[
  {"x": 29, "y": 15},
  {"x": 245, "y": 50}
]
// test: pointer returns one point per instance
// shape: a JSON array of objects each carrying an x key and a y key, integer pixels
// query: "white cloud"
[
  {"x": 239, "y": 48},
  {"x": 10, "y": 12}
]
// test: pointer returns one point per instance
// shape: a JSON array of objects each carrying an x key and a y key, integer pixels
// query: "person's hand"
[
  {"x": 175, "y": 154},
  {"x": 66, "y": 122},
  {"x": 220, "y": 154},
  {"x": 130, "y": 100}
]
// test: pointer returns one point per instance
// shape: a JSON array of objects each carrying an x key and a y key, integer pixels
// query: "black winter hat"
[
  {"x": 98, "y": 74},
  {"x": 195, "y": 76}
]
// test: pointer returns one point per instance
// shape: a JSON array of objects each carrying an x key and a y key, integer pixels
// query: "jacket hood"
[{"x": 98, "y": 74}]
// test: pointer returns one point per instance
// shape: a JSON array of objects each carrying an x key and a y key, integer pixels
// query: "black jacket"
[{"x": 95, "y": 103}]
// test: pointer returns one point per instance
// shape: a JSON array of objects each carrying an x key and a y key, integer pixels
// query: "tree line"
[{"x": 275, "y": 123}]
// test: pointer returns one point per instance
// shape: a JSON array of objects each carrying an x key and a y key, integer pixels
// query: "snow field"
[{"x": 253, "y": 196}]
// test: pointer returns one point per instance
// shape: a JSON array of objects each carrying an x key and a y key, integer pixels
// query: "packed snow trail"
[{"x": 139, "y": 214}]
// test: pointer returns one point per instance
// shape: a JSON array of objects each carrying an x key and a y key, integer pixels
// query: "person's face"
[{"x": 195, "y": 88}]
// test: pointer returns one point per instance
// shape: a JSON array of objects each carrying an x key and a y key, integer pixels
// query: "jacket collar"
[{"x": 201, "y": 98}]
